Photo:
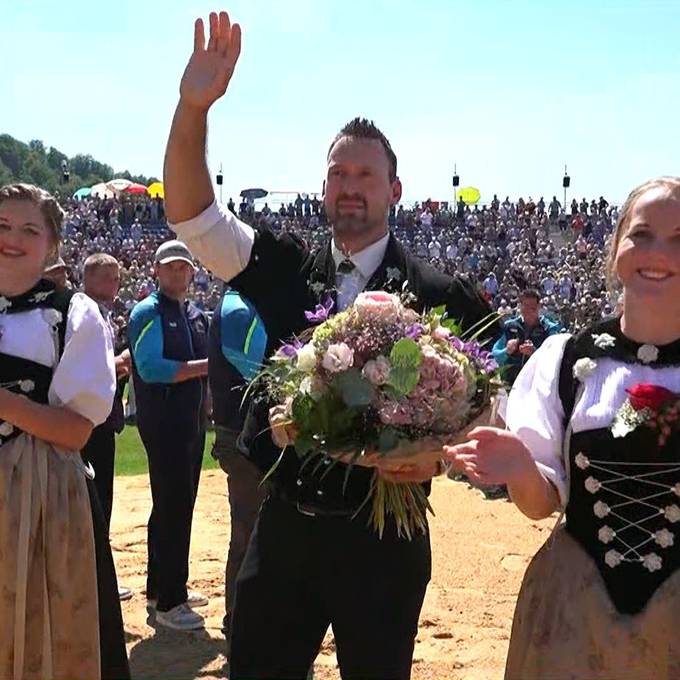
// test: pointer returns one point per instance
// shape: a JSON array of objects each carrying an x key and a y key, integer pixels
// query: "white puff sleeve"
[
  {"x": 535, "y": 413},
  {"x": 85, "y": 378}
]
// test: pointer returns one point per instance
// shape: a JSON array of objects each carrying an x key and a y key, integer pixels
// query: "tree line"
[{"x": 53, "y": 170}]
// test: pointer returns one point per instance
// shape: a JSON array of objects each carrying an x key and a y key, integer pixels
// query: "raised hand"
[
  {"x": 210, "y": 68},
  {"x": 491, "y": 456}
]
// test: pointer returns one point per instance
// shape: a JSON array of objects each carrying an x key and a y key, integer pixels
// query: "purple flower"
[
  {"x": 290, "y": 350},
  {"x": 457, "y": 343},
  {"x": 414, "y": 331},
  {"x": 322, "y": 312}
]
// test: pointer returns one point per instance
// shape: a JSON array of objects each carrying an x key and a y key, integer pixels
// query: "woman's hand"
[
  {"x": 57, "y": 425},
  {"x": 491, "y": 456}
]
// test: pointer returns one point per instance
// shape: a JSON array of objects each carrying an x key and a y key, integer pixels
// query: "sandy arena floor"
[{"x": 480, "y": 550}]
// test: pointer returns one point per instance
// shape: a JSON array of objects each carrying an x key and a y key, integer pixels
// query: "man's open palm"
[{"x": 210, "y": 68}]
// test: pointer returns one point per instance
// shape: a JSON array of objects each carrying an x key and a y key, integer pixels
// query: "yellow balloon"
[
  {"x": 156, "y": 189},
  {"x": 469, "y": 195}
]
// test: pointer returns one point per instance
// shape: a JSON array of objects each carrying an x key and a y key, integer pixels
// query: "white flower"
[
  {"x": 41, "y": 297},
  {"x": 676, "y": 489},
  {"x": 584, "y": 368},
  {"x": 606, "y": 534},
  {"x": 4, "y": 304},
  {"x": 339, "y": 357},
  {"x": 27, "y": 386},
  {"x": 648, "y": 353},
  {"x": 652, "y": 562},
  {"x": 313, "y": 386},
  {"x": 613, "y": 558},
  {"x": 621, "y": 427},
  {"x": 672, "y": 513},
  {"x": 582, "y": 461},
  {"x": 6, "y": 429},
  {"x": 593, "y": 485},
  {"x": 306, "y": 358},
  {"x": 601, "y": 509},
  {"x": 52, "y": 316},
  {"x": 604, "y": 340},
  {"x": 664, "y": 538}
]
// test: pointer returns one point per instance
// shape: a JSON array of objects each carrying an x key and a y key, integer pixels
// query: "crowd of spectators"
[{"x": 503, "y": 247}]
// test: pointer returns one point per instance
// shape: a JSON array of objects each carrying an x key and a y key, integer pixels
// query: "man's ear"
[{"x": 396, "y": 191}]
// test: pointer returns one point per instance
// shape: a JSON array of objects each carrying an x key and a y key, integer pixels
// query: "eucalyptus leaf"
[
  {"x": 355, "y": 389},
  {"x": 388, "y": 440}
]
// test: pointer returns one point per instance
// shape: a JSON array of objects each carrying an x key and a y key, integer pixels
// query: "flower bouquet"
[{"x": 380, "y": 380}]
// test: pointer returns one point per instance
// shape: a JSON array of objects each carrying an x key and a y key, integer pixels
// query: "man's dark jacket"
[{"x": 284, "y": 279}]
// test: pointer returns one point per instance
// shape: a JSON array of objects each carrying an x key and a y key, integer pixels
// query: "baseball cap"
[{"x": 172, "y": 251}]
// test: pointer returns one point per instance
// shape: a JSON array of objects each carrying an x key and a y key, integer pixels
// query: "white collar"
[{"x": 366, "y": 260}]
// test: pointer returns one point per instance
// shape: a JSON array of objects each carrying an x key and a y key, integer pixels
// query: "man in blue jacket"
[
  {"x": 523, "y": 335},
  {"x": 236, "y": 350},
  {"x": 168, "y": 339}
]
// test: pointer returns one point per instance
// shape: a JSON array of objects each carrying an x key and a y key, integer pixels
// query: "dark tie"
[{"x": 346, "y": 267}]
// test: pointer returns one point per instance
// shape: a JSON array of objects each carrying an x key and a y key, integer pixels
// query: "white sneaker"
[
  {"x": 194, "y": 599},
  {"x": 124, "y": 593},
  {"x": 181, "y": 617}
]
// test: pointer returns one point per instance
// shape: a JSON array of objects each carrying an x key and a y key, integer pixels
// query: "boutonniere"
[
  {"x": 653, "y": 406},
  {"x": 393, "y": 274}
]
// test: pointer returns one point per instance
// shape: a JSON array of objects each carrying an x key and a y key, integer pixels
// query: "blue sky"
[{"x": 509, "y": 90}]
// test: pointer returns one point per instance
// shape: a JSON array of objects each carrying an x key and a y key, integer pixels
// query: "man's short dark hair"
[
  {"x": 362, "y": 128},
  {"x": 531, "y": 293}
]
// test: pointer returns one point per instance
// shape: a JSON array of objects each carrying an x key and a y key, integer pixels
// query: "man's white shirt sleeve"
[{"x": 219, "y": 240}]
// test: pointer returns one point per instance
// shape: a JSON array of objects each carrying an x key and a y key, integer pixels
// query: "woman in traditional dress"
[
  {"x": 59, "y": 610},
  {"x": 594, "y": 430}
]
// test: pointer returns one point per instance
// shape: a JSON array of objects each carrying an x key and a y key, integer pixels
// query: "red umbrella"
[{"x": 135, "y": 189}]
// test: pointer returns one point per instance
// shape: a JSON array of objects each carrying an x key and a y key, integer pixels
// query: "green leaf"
[
  {"x": 406, "y": 353},
  {"x": 439, "y": 311},
  {"x": 388, "y": 440},
  {"x": 355, "y": 389},
  {"x": 303, "y": 446},
  {"x": 303, "y": 405},
  {"x": 403, "y": 379},
  {"x": 453, "y": 326}
]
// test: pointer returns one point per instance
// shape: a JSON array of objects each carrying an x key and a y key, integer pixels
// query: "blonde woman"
[
  {"x": 59, "y": 611},
  {"x": 594, "y": 430}
]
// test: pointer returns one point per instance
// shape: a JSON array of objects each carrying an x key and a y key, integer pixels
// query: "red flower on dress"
[{"x": 652, "y": 397}]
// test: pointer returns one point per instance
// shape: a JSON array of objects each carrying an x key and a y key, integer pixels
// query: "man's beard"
[{"x": 355, "y": 221}]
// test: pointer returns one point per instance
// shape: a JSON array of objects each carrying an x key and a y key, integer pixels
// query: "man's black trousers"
[
  {"x": 174, "y": 471},
  {"x": 303, "y": 573}
]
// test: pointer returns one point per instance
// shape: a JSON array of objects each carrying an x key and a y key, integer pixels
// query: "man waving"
[{"x": 311, "y": 561}]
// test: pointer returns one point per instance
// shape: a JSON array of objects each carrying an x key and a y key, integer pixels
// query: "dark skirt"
[{"x": 114, "y": 661}]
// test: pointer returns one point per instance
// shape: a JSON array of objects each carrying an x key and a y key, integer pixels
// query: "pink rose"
[
  {"x": 377, "y": 371},
  {"x": 378, "y": 304},
  {"x": 338, "y": 358},
  {"x": 441, "y": 333}
]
